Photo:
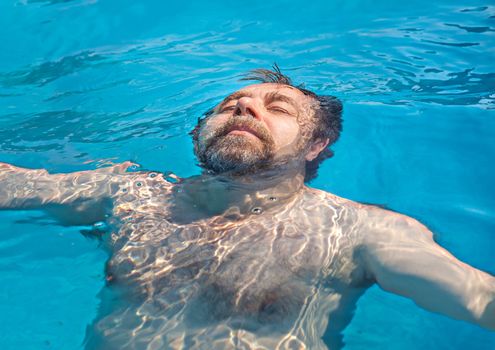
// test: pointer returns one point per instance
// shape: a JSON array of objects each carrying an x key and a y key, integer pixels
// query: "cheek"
[
  {"x": 209, "y": 127},
  {"x": 286, "y": 133}
]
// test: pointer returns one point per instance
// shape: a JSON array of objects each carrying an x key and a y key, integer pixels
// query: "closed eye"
[
  {"x": 227, "y": 108},
  {"x": 278, "y": 109}
]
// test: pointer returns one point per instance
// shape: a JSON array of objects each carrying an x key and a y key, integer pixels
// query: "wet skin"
[
  {"x": 265, "y": 273},
  {"x": 258, "y": 261}
]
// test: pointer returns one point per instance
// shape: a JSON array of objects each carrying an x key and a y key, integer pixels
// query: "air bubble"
[
  {"x": 257, "y": 210},
  {"x": 100, "y": 225},
  {"x": 272, "y": 199},
  {"x": 139, "y": 184},
  {"x": 152, "y": 175}
]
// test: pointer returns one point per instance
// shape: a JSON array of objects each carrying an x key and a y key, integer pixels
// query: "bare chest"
[{"x": 265, "y": 265}]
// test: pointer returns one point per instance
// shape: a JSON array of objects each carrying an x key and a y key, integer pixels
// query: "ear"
[{"x": 315, "y": 149}]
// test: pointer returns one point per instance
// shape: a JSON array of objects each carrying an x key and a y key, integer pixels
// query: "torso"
[{"x": 266, "y": 279}]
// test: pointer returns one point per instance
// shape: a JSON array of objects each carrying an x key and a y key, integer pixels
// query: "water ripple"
[
  {"x": 450, "y": 44},
  {"x": 47, "y": 72},
  {"x": 475, "y": 9},
  {"x": 471, "y": 29}
]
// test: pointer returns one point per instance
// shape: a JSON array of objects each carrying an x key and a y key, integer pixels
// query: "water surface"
[{"x": 87, "y": 82}]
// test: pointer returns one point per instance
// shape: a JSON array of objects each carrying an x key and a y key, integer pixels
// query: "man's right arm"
[
  {"x": 80, "y": 196},
  {"x": 401, "y": 255}
]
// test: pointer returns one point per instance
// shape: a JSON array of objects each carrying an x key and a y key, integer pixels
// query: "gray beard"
[{"x": 238, "y": 155}]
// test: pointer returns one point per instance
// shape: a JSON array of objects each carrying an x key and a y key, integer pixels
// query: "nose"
[{"x": 246, "y": 106}]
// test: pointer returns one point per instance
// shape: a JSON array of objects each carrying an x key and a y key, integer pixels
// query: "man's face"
[{"x": 254, "y": 128}]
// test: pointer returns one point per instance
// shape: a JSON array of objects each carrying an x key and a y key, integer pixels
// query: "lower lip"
[{"x": 242, "y": 132}]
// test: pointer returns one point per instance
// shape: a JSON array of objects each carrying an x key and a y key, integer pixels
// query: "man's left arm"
[{"x": 401, "y": 255}]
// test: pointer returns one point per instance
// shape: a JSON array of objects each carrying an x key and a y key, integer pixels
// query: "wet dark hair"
[{"x": 328, "y": 115}]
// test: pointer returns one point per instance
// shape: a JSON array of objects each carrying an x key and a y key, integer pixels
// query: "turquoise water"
[{"x": 86, "y": 82}]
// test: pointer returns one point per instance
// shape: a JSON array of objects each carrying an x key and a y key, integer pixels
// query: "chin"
[{"x": 236, "y": 154}]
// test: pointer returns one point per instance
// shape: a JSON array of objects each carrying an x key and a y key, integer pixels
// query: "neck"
[{"x": 230, "y": 194}]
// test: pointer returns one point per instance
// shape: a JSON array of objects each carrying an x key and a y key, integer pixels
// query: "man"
[{"x": 246, "y": 256}]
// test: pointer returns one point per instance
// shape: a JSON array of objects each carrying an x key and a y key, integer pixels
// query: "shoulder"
[
  {"x": 370, "y": 222},
  {"x": 344, "y": 206},
  {"x": 392, "y": 225},
  {"x": 330, "y": 199}
]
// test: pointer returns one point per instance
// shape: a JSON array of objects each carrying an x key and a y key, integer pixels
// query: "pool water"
[{"x": 87, "y": 82}]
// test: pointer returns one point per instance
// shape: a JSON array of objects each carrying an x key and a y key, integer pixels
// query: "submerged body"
[
  {"x": 281, "y": 269},
  {"x": 269, "y": 275}
]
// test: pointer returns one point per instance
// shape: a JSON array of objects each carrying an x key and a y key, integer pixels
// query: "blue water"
[{"x": 86, "y": 82}]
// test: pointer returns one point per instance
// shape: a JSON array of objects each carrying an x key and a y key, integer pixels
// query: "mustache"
[{"x": 244, "y": 123}]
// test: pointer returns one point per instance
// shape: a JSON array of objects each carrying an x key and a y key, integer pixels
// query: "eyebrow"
[{"x": 276, "y": 96}]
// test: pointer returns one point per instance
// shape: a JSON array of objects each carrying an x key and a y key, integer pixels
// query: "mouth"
[{"x": 242, "y": 130}]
